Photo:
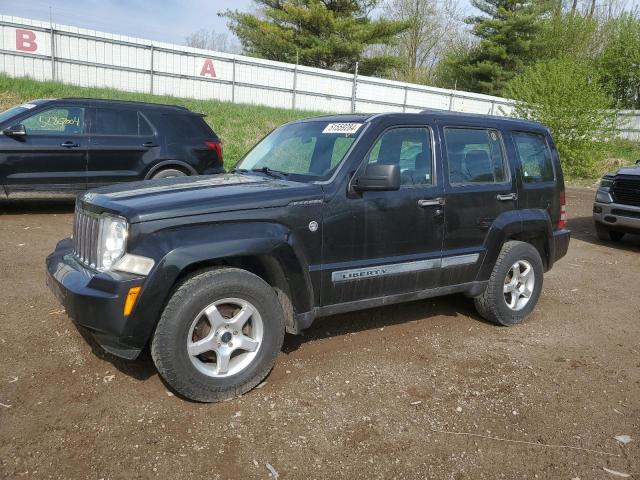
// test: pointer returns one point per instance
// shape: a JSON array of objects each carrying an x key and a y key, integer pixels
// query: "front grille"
[
  {"x": 85, "y": 237},
  {"x": 626, "y": 191},
  {"x": 625, "y": 213}
]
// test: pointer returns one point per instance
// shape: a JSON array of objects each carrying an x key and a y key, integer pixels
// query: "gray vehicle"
[{"x": 616, "y": 210}]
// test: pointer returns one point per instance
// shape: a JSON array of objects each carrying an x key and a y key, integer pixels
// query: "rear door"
[
  {"x": 121, "y": 146},
  {"x": 479, "y": 187},
  {"x": 535, "y": 162},
  {"x": 51, "y": 157}
]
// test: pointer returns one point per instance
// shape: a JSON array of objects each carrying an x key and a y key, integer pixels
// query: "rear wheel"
[
  {"x": 514, "y": 287},
  {"x": 607, "y": 235},
  {"x": 168, "y": 173},
  {"x": 219, "y": 335}
]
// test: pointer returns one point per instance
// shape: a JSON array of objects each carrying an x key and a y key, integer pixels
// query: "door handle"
[
  {"x": 431, "y": 202},
  {"x": 69, "y": 144},
  {"x": 149, "y": 144},
  {"x": 507, "y": 196}
]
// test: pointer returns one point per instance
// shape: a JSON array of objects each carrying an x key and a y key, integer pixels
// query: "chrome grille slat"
[{"x": 85, "y": 237}]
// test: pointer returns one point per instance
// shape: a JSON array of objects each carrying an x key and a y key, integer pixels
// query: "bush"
[{"x": 566, "y": 95}]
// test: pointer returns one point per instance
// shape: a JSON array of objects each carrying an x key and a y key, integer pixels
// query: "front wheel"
[
  {"x": 514, "y": 287},
  {"x": 219, "y": 334}
]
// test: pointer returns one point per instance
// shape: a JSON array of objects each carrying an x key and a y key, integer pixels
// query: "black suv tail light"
[
  {"x": 563, "y": 211},
  {"x": 216, "y": 146}
]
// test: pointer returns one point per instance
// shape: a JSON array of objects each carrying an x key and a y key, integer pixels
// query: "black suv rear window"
[
  {"x": 534, "y": 157},
  {"x": 112, "y": 121},
  {"x": 474, "y": 156},
  {"x": 186, "y": 126}
]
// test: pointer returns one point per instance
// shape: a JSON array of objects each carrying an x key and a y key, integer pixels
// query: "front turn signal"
[{"x": 130, "y": 302}]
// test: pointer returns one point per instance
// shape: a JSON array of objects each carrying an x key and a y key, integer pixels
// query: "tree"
[
  {"x": 211, "y": 40},
  {"x": 433, "y": 26},
  {"x": 566, "y": 95},
  {"x": 332, "y": 34},
  {"x": 506, "y": 31},
  {"x": 619, "y": 62}
]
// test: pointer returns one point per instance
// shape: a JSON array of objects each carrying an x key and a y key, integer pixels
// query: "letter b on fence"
[{"x": 26, "y": 40}]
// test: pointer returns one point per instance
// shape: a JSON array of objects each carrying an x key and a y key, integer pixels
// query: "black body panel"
[
  {"x": 336, "y": 249},
  {"x": 65, "y": 152}
]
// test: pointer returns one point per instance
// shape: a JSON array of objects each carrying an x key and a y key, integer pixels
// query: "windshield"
[
  {"x": 309, "y": 150},
  {"x": 12, "y": 112}
]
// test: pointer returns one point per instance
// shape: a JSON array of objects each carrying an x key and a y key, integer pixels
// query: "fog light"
[{"x": 130, "y": 302}]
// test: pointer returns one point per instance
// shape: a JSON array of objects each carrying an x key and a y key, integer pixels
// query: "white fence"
[{"x": 95, "y": 59}]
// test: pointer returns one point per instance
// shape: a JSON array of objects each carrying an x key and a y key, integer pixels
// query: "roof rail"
[{"x": 133, "y": 102}]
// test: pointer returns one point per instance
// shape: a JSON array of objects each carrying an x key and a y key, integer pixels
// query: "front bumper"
[
  {"x": 95, "y": 300},
  {"x": 616, "y": 216}
]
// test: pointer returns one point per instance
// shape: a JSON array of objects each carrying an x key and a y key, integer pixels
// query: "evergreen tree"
[
  {"x": 507, "y": 33},
  {"x": 333, "y": 34}
]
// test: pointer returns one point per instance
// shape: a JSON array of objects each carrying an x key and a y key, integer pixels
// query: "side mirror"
[
  {"x": 15, "y": 131},
  {"x": 637, "y": 162},
  {"x": 378, "y": 177}
]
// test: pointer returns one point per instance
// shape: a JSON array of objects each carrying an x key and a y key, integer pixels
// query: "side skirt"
[{"x": 304, "y": 320}]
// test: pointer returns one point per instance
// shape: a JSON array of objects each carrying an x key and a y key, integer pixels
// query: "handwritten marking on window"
[{"x": 52, "y": 122}]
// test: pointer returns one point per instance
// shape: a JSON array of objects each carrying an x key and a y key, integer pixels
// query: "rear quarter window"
[
  {"x": 534, "y": 155},
  {"x": 190, "y": 127}
]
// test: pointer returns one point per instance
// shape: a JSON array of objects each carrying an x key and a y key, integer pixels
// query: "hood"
[
  {"x": 184, "y": 196},
  {"x": 630, "y": 170}
]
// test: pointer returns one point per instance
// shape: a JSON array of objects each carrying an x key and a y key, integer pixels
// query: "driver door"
[
  {"x": 381, "y": 243},
  {"x": 52, "y": 156}
]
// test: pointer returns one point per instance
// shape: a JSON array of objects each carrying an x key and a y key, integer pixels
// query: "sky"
[{"x": 164, "y": 20}]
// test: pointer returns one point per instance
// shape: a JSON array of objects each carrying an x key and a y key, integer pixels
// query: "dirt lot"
[{"x": 363, "y": 395}]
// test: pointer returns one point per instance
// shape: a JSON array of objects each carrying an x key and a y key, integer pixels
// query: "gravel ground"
[{"x": 383, "y": 393}]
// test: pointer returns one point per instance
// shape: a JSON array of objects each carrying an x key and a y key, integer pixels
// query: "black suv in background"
[
  {"x": 323, "y": 216},
  {"x": 63, "y": 146}
]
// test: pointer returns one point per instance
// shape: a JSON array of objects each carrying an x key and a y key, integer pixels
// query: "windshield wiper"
[{"x": 270, "y": 172}]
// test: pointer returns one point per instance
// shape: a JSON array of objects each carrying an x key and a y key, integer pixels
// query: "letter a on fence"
[
  {"x": 207, "y": 69},
  {"x": 26, "y": 40}
]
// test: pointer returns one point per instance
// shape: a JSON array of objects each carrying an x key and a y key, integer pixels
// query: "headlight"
[
  {"x": 606, "y": 182},
  {"x": 602, "y": 196},
  {"x": 112, "y": 241}
]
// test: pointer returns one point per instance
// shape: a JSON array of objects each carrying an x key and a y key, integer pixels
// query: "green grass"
[{"x": 239, "y": 126}]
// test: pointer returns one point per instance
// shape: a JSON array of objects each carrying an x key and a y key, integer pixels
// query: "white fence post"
[
  {"x": 295, "y": 85},
  {"x": 354, "y": 90},
  {"x": 53, "y": 51},
  {"x": 151, "y": 70},
  {"x": 233, "y": 82},
  {"x": 404, "y": 102}
]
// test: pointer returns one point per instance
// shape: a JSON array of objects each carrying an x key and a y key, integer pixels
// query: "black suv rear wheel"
[
  {"x": 514, "y": 287},
  {"x": 219, "y": 334}
]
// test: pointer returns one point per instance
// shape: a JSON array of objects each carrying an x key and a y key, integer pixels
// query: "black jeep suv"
[
  {"x": 325, "y": 215},
  {"x": 60, "y": 147}
]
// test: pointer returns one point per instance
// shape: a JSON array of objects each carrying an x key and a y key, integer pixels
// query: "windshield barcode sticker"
[{"x": 346, "y": 128}]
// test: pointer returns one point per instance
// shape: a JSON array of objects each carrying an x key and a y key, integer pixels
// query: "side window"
[
  {"x": 474, "y": 156},
  {"x": 534, "y": 157},
  {"x": 56, "y": 121},
  {"x": 410, "y": 148},
  {"x": 111, "y": 121}
]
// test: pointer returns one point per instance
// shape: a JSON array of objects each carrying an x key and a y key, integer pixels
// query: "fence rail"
[{"x": 96, "y": 59}]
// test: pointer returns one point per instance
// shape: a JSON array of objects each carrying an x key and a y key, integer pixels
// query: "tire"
[
  {"x": 607, "y": 235},
  {"x": 187, "y": 323},
  {"x": 168, "y": 173},
  {"x": 493, "y": 303}
]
